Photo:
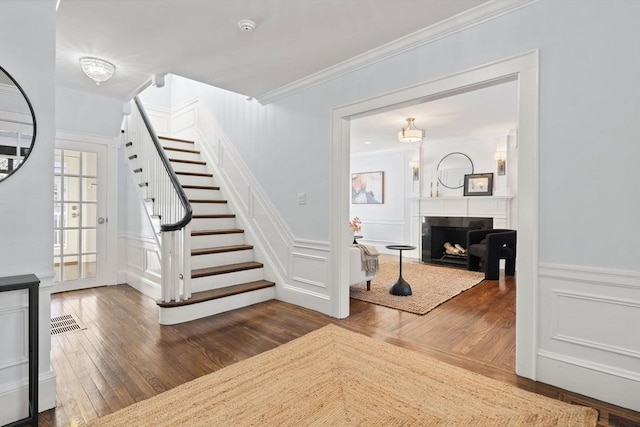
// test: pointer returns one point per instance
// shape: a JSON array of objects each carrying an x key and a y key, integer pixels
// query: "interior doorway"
[
  {"x": 525, "y": 69},
  {"x": 79, "y": 215}
]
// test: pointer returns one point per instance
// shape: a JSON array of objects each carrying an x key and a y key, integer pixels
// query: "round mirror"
[
  {"x": 452, "y": 169},
  {"x": 17, "y": 125}
]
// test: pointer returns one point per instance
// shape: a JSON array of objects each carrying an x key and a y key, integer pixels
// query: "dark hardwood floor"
[{"x": 124, "y": 356}]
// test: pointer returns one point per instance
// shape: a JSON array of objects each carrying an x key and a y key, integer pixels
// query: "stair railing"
[{"x": 170, "y": 205}]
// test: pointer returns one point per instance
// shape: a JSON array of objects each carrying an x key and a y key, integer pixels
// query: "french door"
[{"x": 79, "y": 220}]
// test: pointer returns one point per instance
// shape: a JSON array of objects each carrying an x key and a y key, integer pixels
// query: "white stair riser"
[
  {"x": 194, "y": 193},
  {"x": 181, "y": 155},
  {"x": 195, "y": 180},
  {"x": 189, "y": 167},
  {"x": 174, "y": 315},
  {"x": 223, "y": 258},
  {"x": 222, "y": 280},
  {"x": 177, "y": 144},
  {"x": 213, "y": 241},
  {"x": 209, "y": 208},
  {"x": 198, "y": 224}
]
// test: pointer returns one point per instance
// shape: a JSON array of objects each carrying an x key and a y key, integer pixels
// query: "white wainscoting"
[
  {"x": 14, "y": 357},
  {"x": 589, "y": 341},
  {"x": 299, "y": 268},
  {"x": 142, "y": 267}
]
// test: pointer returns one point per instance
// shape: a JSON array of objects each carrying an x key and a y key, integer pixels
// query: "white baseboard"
[
  {"x": 14, "y": 398},
  {"x": 592, "y": 379}
]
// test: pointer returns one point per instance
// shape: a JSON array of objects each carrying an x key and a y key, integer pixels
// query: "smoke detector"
[{"x": 246, "y": 25}]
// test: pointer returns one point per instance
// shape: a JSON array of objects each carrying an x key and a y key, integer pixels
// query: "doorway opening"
[{"x": 523, "y": 68}]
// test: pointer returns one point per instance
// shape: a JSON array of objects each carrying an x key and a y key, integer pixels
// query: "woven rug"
[
  {"x": 334, "y": 377},
  {"x": 430, "y": 285}
]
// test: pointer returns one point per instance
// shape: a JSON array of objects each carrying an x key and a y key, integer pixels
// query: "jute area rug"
[
  {"x": 430, "y": 285},
  {"x": 334, "y": 377}
]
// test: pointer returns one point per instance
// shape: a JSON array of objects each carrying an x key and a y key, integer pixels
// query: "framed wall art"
[
  {"x": 478, "y": 184},
  {"x": 367, "y": 188}
]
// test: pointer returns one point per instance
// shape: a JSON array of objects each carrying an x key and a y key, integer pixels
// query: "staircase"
[{"x": 224, "y": 275}]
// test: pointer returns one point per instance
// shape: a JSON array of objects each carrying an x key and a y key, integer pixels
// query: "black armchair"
[{"x": 487, "y": 247}]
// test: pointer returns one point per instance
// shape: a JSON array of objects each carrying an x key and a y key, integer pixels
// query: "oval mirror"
[
  {"x": 17, "y": 125},
  {"x": 452, "y": 169}
]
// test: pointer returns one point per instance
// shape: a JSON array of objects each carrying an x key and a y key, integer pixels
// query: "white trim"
[
  {"x": 138, "y": 237},
  {"x": 594, "y": 275},
  {"x": 603, "y": 382},
  {"x": 66, "y": 135},
  {"x": 12, "y": 396},
  {"x": 526, "y": 68},
  {"x": 462, "y": 21}
]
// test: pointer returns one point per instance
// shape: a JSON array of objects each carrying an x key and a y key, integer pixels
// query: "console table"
[{"x": 32, "y": 283}]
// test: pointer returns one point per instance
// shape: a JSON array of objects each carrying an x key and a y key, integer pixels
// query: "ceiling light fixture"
[
  {"x": 97, "y": 69},
  {"x": 411, "y": 133}
]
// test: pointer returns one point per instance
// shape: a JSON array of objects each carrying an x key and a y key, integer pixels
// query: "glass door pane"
[{"x": 75, "y": 212}]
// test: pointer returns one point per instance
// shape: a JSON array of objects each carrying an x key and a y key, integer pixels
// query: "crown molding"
[{"x": 456, "y": 23}]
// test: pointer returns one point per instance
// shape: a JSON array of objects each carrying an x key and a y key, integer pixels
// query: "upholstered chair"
[{"x": 487, "y": 247}]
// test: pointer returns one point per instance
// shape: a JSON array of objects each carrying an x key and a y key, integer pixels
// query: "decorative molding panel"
[
  {"x": 160, "y": 119},
  {"x": 309, "y": 269},
  {"x": 589, "y": 340},
  {"x": 143, "y": 261}
]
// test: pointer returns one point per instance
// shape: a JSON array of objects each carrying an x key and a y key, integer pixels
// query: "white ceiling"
[
  {"x": 200, "y": 39},
  {"x": 476, "y": 115}
]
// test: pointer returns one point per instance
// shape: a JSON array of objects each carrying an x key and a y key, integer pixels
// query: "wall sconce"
[
  {"x": 415, "y": 166},
  {"x": 501, "y": 159}
]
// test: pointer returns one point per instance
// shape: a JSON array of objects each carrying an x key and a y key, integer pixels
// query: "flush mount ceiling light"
[
  {"x": 411, "y": 133},
  {"x": 97, "y": 69}
]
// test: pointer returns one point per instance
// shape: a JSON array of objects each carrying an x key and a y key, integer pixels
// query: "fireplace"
[{"x": 437, "y": 230}]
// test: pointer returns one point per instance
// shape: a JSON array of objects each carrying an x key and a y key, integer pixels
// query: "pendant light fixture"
[
  {"x": 411, "y": 133},
  {"x": 97, "y": 69}
]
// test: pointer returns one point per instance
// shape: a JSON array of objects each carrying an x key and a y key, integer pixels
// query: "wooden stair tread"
[
  {"x": 200, "y": 187},
  {"x": 168, "y": 138},
  {"x": 224, "y": 269},
  {"x": 213, "y": 216},
  {"x": 182, "y": 150},
  {"x": 214, "y": 232},
  {"x": 191, "y": 162},
  {"x": 227, "y": 291},
  {"x": 220, "y": 249},
  {"x": 195, "y": 174},
  {"x": 207, "y": 201}
]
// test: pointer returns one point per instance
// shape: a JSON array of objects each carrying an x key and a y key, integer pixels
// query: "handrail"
[{"x": 188, "y": 214}]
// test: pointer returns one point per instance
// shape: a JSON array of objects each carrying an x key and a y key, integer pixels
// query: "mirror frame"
[
  {"x": 443, "y": 159},
  {"x": 33, "y": 119}
]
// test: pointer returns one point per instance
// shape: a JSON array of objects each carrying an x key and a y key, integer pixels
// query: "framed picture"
[
  {"x": 478, "y": 184},
  {"x": 367, "y": 188}
]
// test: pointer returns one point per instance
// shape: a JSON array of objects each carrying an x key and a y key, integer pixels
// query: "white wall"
[
  {"x": 385, "y": 223},
  {"x": 575, "y": 53},
  {"x": 87, "y": 113},
  {"x": 588, "y": 133},
  {"x": 27, "y": 52}
]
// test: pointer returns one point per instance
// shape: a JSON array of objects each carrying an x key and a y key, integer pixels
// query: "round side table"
[{"x": 400, "y": 287}]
